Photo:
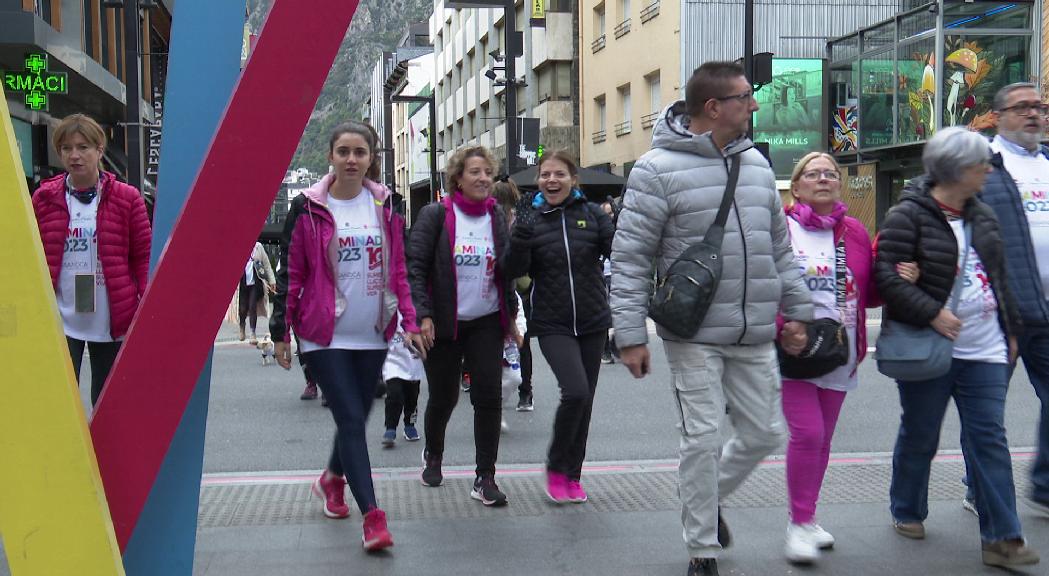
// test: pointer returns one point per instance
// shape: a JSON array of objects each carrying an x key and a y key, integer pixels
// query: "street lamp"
[{"x": 514, "y": 48}]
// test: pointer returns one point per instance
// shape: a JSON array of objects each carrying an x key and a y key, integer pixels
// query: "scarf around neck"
[
  {"x": 476, "y": 209},
  {"x": 810, "y": 220}
]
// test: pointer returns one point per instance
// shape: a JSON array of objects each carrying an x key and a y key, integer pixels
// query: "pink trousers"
[{"x": 811, "y": 413}]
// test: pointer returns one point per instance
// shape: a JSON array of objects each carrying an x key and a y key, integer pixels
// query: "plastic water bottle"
[{"x": 512, "y": 355}]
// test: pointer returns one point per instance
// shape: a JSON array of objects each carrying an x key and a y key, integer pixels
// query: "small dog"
[{"x": 266, "y": 346}]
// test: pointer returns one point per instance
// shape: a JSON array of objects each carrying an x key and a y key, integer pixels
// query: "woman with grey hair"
[{"x": 954, "y": 237}]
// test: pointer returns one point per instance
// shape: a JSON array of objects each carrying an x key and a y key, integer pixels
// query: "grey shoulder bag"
[
  {"x": 909, "y": 353},
  {"x": 683, "y": 296}
]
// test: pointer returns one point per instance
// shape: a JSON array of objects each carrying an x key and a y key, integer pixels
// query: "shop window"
[
  {"x": 917, "y": 24},
  {"x": 1000, "y": 15},
  {"x": 877, "y": 85},
  {"x": 916, "y": 91},
  {"x": 844, "y": 124},
  {"x": 975, "y": 68}
]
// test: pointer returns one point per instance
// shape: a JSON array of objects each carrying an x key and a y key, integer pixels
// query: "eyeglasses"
[
  {"x": 1027, "y": 107},
  {"x": 744, "y": 97},
  {"x": 814, "y": 175}
]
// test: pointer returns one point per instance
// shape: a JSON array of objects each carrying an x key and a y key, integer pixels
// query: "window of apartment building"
[
  {"x": 624, "y": 18},
  {"x": 555, "y": 81},
  {"x": 43, "y": 10},
  {"x": 623, "y": 127},
  {"x": 118, "y": 43},
  {"x": 103, "y": 35},
  {"x": 655, "y": 100},
  {"x": 559, "y": 5},
  {"x": 599, "y": 20},
  {"x": 600, "y": 117},
  {"x": 89, "y": 30}
]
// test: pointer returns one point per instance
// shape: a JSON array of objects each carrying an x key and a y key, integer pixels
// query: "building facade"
[
  {"x": 630, "y": 62},
  {"x": 470, "y": 41},
  {"x": 60, "y": 57}
]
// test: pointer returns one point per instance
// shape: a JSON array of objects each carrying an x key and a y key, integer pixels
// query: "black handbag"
[
  {"x": 828, "y": 346},
  {"x": 683, "y": 296}
]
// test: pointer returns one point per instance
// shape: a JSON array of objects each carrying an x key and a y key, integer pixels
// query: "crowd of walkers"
[{"x": 960, "y": 266}]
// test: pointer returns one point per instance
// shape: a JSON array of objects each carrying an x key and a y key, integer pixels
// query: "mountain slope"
[{"x": 377, "y": 26}]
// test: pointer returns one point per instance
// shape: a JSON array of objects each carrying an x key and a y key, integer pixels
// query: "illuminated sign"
[
  {"x": 791, "y": 114},
  {"x": 37, "y": 82},
  {"x": 538, "y": 19}
]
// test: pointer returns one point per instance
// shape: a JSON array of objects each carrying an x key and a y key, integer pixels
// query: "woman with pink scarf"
[
  {"x": 818, "y": 228},
  {"x": 465, "y": 308}
]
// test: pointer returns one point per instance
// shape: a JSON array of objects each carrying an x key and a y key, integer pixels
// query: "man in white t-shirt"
[{"x": 1018, "y": 191}]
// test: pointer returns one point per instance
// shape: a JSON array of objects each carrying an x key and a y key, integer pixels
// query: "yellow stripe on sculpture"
[{"x": 54, "y": 518}]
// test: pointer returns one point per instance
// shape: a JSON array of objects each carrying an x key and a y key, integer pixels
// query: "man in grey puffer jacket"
[{"x": 672, "y": 197}]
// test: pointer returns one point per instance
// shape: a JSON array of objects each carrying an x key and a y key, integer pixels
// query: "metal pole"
[
  {"x": 435, "y": 183},
  {"x": 510, "y": 95},
  {"x": 748, "y": 49},
  {"x": 938, "y": 69},
  {"x": 133, "y": 94}
]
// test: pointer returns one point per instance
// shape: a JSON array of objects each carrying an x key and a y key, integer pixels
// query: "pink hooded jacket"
[{"x": 312, "y": 296}]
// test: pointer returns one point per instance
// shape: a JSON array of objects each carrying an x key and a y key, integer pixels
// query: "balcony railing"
[
  {"x": 623, "y": 128},
  {"x": 598, "y": 43},
  {"x": 649, "y": 12},
  {"x": 599, "y": 136},
  {"x": 622, "y": 28},
  {"x": 648, "y": 120}
]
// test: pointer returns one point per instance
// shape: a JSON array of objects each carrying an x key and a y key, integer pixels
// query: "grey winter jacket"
[{"x": 672, "y": 197}]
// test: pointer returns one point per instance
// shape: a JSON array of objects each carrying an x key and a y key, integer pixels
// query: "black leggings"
[
  {"x": 575, "y": 361},
  {"x": 401, "y": 395},
  {"x": 103, "y": 354},
  {"x": 526, "y": 351},
  {"x": 480, "y": 342},
  {"x": 348, "y": 379},
  {"x": 249, "y": 299}
]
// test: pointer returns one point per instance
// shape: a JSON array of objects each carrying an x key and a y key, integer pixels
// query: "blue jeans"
[
  {"x": 978, "y": 390},
  {"x": 1034, "y": 349},
  {"x": 348, "y": 379}
]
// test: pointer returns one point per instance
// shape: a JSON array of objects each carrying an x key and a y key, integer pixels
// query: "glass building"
[{"x": 893, "y": 84}]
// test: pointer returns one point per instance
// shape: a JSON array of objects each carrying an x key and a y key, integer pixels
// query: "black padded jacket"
[
  {"x": 431, "y": 271},
  {"x": 560, "y": 248},
  {"x": 915, "y": 230}
]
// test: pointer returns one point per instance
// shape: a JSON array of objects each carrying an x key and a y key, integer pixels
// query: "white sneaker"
[
  {"x": 820, "y": 537},
  {"x": 800, "y": 547}
]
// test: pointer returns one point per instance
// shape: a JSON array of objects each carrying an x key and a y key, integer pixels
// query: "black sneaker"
[
  {"x": 487, "y": 492},
  {"x": 465, "y": 384},
  {"x": 525, "y": 403},
  {"x": 703, "y": 567},
  {"x": 431, "y": 470},
  {"x": 724, "y": 536}
]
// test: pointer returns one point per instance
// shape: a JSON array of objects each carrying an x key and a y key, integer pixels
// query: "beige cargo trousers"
[{"x": 705, "y": 378}]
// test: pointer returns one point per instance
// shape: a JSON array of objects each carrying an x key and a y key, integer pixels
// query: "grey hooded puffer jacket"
[{"x": 672, "y": 197}]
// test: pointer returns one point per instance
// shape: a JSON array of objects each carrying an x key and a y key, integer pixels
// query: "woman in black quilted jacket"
[
  {"x": 559, "y": 241},
  {"x": 928, "y": 226}
]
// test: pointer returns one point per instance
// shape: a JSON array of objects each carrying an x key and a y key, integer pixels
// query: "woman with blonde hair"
[
  {"x": 833, "y": 251},
  {"x": 465, "y": 308},
  {"x": 96, "y": 238}
]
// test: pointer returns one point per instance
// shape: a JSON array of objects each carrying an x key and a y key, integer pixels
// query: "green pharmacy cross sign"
[{"x": 37, "y": 82}]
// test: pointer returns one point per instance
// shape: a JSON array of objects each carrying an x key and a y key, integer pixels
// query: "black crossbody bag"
[
  {"x": 683, "y": 296},
  {"x": 828, "y": 346}
]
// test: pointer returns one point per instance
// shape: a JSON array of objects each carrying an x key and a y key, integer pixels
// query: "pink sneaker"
[
  {"x": 376, "y": 535},
  {"x": 575, "y": 491},
  {"x": 330, "y": 489},
  {"x": 557, "y": 487}
]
